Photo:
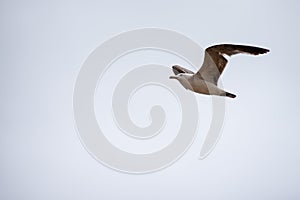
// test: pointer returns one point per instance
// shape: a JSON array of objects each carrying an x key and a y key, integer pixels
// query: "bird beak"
[{"x": 173, "y": 77}]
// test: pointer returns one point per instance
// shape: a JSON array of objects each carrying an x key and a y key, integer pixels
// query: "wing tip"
[
  {"x": 240, "y": 48},
  {"x": 262, "y": 51}
]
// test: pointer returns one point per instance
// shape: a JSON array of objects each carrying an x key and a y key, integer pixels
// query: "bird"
[{"x": 205, "y": 80}]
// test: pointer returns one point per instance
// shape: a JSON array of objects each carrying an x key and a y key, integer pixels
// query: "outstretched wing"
[
  {"x": 215, "y": 62},
  {"x": 178, "y": 69}
]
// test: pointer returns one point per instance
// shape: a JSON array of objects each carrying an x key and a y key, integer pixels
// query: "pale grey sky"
[{"x": 43, "y": 45}]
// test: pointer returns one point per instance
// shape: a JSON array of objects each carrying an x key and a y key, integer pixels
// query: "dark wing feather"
[
  {"x": 178, "y": 69},
  {"x": 215, "y": 63}
]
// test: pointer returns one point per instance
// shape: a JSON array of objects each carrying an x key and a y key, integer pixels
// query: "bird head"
[
  {"x": 179, "y": 77},
  {"x": 184, "y": 79}
]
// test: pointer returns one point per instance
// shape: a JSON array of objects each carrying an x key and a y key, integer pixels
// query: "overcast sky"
[{"x": 43, "y": 45}]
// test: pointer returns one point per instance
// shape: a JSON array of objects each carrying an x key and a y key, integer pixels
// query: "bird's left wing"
[{"x": 215, "y": 62}]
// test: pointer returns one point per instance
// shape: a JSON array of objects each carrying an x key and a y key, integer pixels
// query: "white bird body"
[{"x": 188, "y": 81}]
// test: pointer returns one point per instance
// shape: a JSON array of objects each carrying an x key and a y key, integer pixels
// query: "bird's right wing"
[
  {"x": 178, "y": 69},
  {"x": 215, "y": 62}
]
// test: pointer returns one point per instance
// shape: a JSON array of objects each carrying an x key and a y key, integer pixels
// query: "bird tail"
[{"x": 227, "y": 94}]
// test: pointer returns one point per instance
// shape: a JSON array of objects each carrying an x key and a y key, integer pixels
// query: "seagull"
[{"x": 205, "y": 81}]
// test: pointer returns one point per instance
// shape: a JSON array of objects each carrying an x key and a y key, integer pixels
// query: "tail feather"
[{"x": 230, "y": 95}]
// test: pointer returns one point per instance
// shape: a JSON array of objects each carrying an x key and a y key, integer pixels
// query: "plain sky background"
[{"x": 44, "y": 43}]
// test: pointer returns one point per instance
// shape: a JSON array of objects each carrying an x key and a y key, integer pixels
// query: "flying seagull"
[{"x": 205, "y": 81}]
